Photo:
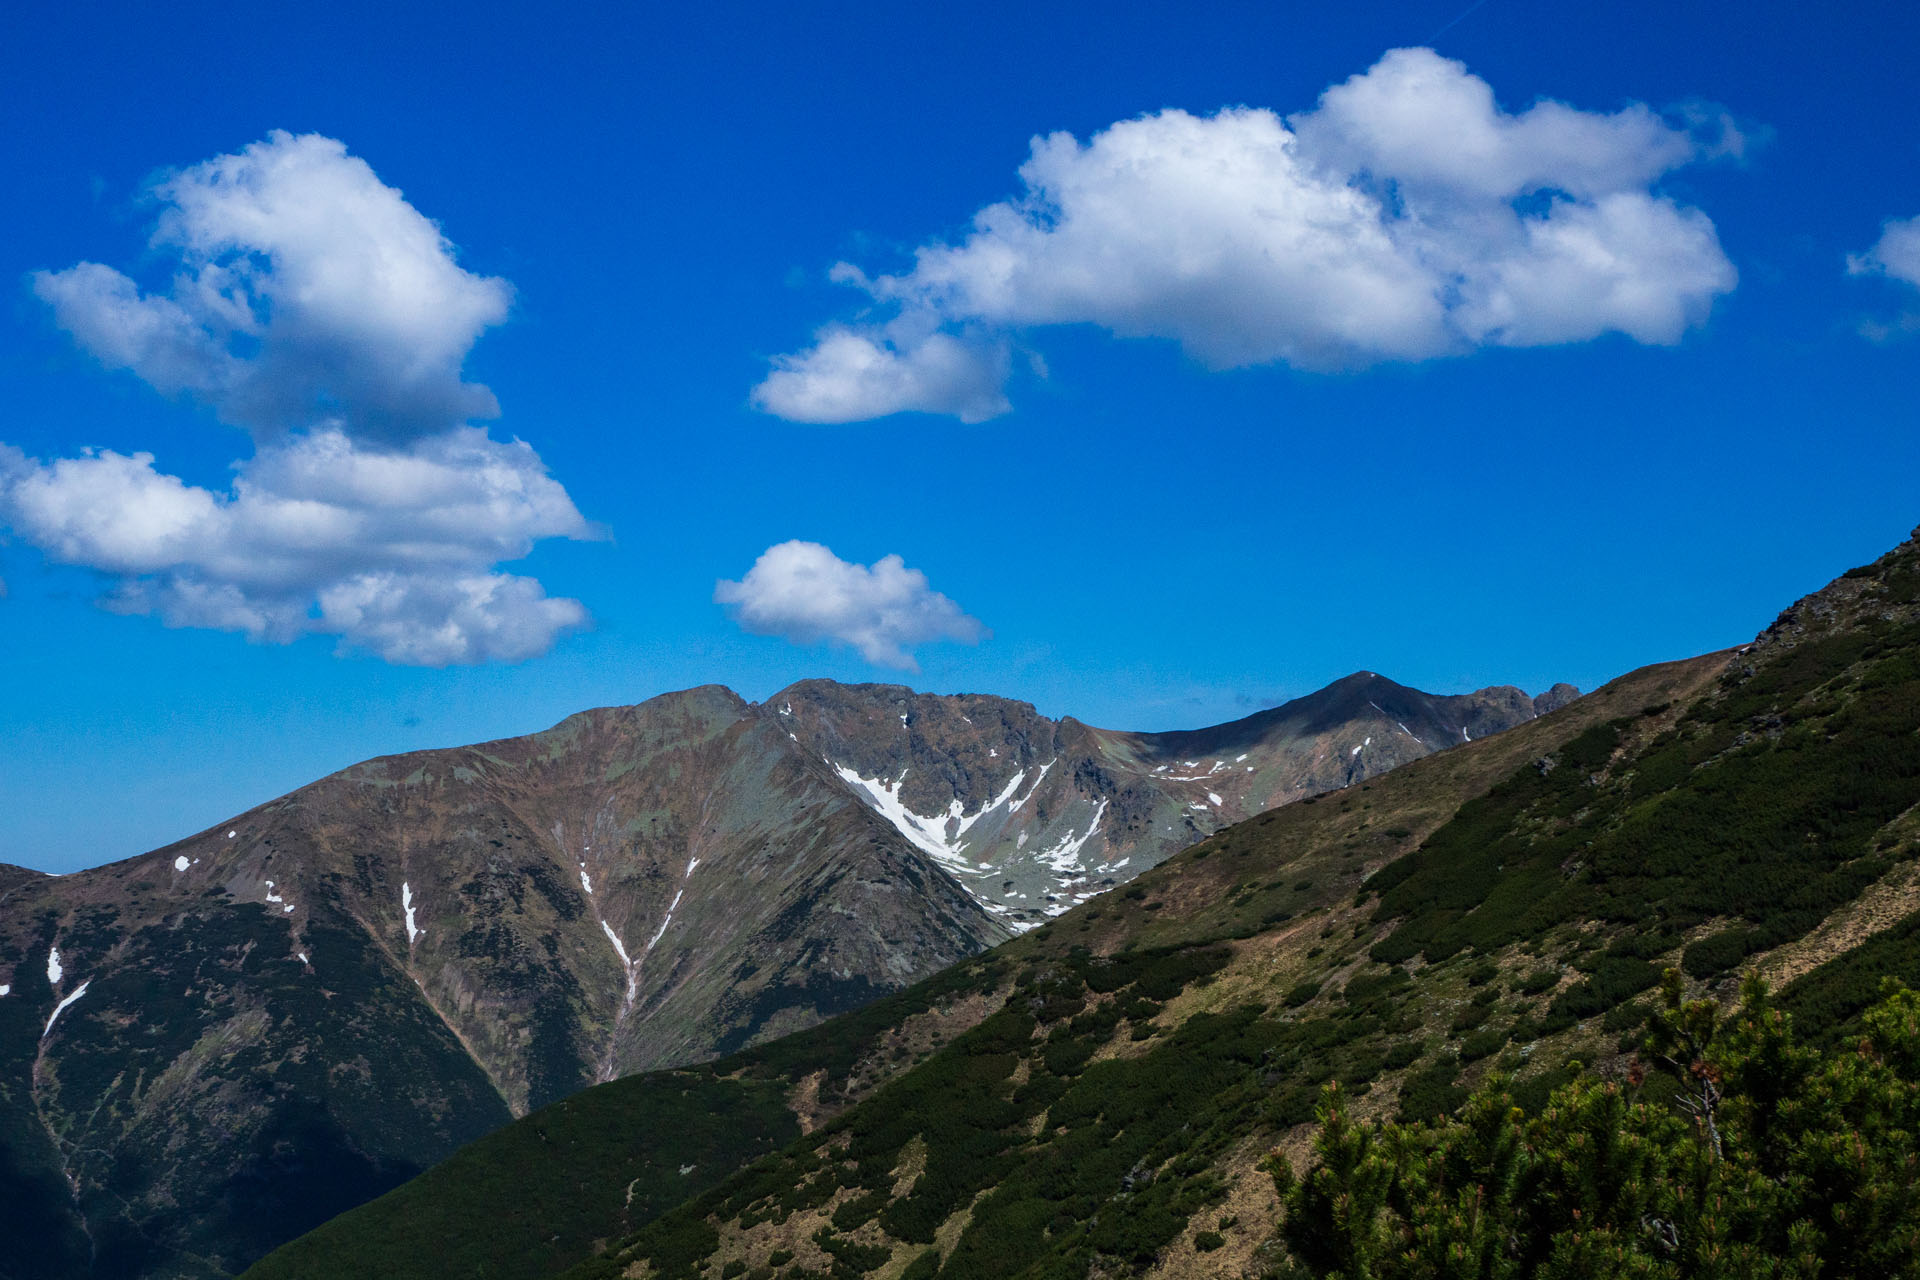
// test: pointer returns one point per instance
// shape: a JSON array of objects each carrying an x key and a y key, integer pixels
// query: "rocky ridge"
[{"x": 1034, "y": 816}]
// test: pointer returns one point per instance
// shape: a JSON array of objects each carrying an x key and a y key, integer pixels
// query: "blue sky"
[{"x": 1315, "y": 461}]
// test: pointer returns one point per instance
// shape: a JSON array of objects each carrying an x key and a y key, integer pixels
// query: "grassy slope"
[
  {"x": 535, "y": 1196},
  {"x": 1128, "y": 1064}
]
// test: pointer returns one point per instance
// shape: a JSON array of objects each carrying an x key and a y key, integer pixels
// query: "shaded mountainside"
[
  {"x": 206, "y": 1050},
  {"x": 273, "y": 1021},
  {"x": 1095, "y": 1097},
  {"x": 1034, "y": 815}
]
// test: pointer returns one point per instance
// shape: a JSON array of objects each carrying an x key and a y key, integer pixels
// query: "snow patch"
[
  {"x": 1015, "y": 807},
  {"x": 303, "y": 957},
  {"x": 6, "y": 988},
  {"x": 614, "y": 938},
  {"x": 939, "y": 834},
  {"x": 180, "y": 863},
  {"x": 661, "y": 932},
  {"x": 1213, "y": 799},
  {"x": 633, "y": 970},
  {"x": 54, "y": 971},
  {"x": 62, "y": 1007},
  {"x": 1237, "y": 759},
  {"x": 691, "y": 864},
  {"x": 1065, "y": 856},
  {"x": 230, "y": 835},
  {"x": 406, "y": 904},
  {"x": 586, "y": 881}
]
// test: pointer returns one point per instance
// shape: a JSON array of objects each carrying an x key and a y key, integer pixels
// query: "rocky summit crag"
[{"x": 208, "y": 1049}]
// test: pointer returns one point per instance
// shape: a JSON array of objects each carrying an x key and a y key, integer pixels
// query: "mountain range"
[
  {"x": 1125, "y": 1089},
  {"x": 208, "y": 1049}
]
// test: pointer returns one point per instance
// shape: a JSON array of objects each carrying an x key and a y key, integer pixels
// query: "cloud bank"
[
  {"x": 803, "y": 592},
  {"x": 1406, "y": 217},
  {"x": 311, "y": 305}
]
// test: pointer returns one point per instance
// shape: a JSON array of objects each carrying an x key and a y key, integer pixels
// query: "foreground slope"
[{"x": 1124, "y": 1069}]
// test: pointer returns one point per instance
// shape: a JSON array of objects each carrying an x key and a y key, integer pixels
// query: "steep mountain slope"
[
  {"x": 1118, "y": 1075},
  {"x": 208, "y": 1048},
  {"x": 1034, "y": 815}
]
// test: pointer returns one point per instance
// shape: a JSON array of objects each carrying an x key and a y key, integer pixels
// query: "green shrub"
[{"x": 1538, "y": 981}]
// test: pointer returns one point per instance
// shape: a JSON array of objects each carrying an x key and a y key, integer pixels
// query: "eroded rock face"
[
  {"x": 1035, "y": 815},
  {"x": 208, "y": 1049}
]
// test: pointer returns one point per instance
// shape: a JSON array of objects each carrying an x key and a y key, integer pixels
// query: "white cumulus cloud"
[
  {"x": 391, "y": 551},
  {"x": 852, "y": 374},
  {"x": 306, "y": 290},
  {"x": 1407, "y": 216},
  {"x": 310, "y": 304},
  {"x": 803, "y": 592}
]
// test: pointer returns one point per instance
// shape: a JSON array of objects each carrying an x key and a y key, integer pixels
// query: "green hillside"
[{"x": 1109, "y": 1086}]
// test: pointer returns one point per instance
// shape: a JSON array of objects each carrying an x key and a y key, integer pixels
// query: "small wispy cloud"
[
  {"x": 804, "y": 593},
  {"x": 1406, "y": 217},
  {"x": 1896, "y": 254}
]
